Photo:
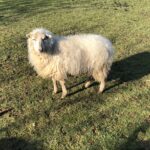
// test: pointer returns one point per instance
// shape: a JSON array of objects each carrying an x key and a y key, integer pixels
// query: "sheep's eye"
[
  {"x": 45, "y": 38},
  {"x": 33, "y": 39}
]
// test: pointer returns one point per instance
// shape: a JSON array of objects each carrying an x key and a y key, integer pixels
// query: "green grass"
[{"x": 117, "y": 119}]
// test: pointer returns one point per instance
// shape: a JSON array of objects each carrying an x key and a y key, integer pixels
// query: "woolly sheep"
[{"x": 57, "y": 56}]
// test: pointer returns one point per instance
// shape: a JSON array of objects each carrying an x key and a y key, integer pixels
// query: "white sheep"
[{"x": 56, "y": 56}]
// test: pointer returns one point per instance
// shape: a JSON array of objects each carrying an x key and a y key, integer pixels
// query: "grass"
[{"x": 31, "y": 118}]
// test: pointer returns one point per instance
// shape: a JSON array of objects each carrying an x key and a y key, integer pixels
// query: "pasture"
[{"x": 31, "y": 118}]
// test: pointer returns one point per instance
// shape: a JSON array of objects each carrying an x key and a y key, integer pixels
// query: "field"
[{"x": 31, "y": 118}]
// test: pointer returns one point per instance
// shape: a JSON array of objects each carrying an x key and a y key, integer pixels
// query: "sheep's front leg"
[
  {"x": 64, "y": 90},
  {"x": 55, "y": 86}
]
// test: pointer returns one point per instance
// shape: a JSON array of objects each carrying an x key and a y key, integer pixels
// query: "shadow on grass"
[
  {"x": 131, "y": 68},
  {"x": 135, "y": 141},
  {"x": 79, "y": 90},
  {"x": 22, "y": 8},
  {"x": 14, "y": 143},
  {"x": 14, "y": 10},
  {"x": 3, "y": 112}
]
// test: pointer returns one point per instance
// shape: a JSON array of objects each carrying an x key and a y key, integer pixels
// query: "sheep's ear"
[{"x": 28, "y": 35}]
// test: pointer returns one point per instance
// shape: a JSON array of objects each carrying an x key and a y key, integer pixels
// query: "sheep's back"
[{"x": 83, "y": 53}]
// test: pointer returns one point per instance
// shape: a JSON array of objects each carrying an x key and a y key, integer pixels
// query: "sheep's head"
[{"x": 40, "y": 39}]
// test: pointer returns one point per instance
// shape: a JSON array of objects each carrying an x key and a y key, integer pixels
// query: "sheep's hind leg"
[
  {"x": 55, "y": 86},
  {"x": 100, "y": 77},
  {"x": 102, "y": 84},
  {"x": 89, "y": 82},
  {"x": 64, "y": 90}
]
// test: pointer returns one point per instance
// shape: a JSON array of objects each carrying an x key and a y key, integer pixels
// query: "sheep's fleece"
[{"x": 57, "y": 56}]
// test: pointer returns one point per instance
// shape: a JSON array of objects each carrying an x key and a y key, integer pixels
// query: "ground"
[{"x": 31, "y": 118}]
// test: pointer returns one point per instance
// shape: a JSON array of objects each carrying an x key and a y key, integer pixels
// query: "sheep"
[{"x": 56, "y": 57}]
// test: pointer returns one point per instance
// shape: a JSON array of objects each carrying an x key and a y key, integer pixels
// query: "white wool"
[{"x": 74, "y": 54}]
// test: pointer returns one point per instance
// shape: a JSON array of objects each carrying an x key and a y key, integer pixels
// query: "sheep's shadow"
[
  {"x": 125, "y": 70},
  {"x": 131, "y": 68},
  {"x": 14, "y": 143}
]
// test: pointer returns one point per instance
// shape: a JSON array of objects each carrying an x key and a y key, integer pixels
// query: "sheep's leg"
[
  {"x": 55, "y": 86},
  {"x": 100, "y": 77},
  {"x": 64, "y": 90},
  {"x": 103, "y": 76},
  {"x": 102, "y": 83},
  {"x": 88, "y": 83}
]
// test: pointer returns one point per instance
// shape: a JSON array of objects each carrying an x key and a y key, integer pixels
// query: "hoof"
[
  {"x": 87, "y": 84},
  {"x": 63, "y": 96},
  {"x": 54, "y": 92},
  {"x": 101, "y": 92}
]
